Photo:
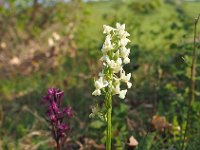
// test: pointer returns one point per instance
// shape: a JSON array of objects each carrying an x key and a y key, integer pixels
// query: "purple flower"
[
  {"x": 62, "y": 129},
  {"x": 63, "y": 126},
  {"x": 53, "y": 118},
  {"x": 55, "y": 114},
  {"x": 51, "y": 91},
  {"x": 54, "y": 107},
  {"x": 68, "y": 111}
]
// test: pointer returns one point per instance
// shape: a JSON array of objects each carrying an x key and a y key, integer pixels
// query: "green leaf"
[
  {"x": 147, "y": 142},
  {"x": 96, "y": 124}
]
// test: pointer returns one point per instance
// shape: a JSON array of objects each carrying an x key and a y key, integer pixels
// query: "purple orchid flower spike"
[{"x": 56, "y": 115}]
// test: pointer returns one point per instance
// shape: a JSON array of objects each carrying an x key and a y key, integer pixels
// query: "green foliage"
[
  {"x": 161, "y": 34},
  {"x": 147, "y": 142}
]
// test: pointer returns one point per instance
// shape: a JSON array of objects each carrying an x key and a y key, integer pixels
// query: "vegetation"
[{"x": 47, "y": 44}]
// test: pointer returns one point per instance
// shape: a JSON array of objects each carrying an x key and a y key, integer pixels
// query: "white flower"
[
  {"x": 116, "y": 89},
  {"x": 119, "y": 61},
  {"x": 125, "y": 34},
  {"x": 107, "y": 29},
  {"x": 126, "y": 60},
  {"x": 129, "y": 84},
  {"x": 104, "y": 58},
  {"x": 122, "y": 94},
  {"x": 111, "y": 63},
  {"x": 124, "y": 52},
  {"x": 121, "y": 31},
  {"x": 124, "y": 41},
  {"x": 120, "y": 27},
  {"x": 107, "y": 46},
  {"x": 96, "y": 93},
  {"x": 99, "y": 84},
  {"x": 116, "y": 66},
  {"x": 125, "y": 78}
]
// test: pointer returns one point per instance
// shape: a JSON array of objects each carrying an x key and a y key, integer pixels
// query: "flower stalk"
[
  {"x": 109, "y": 129},
  {"x": 109, "y": 120},
  {"x": 192, "y": 85}
]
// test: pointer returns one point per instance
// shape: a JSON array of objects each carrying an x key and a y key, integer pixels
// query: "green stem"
[
  {"x": 192, "y": 87},
  {"x": 109, "y": 121}
]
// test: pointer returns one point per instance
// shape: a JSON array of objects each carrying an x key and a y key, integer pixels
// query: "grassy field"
[{"x": 161, "y": 50}]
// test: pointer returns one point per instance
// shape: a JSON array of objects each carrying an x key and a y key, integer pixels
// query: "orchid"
[
  {"x": 56, "y": 115},
  {"x": 114, "y": 57}
]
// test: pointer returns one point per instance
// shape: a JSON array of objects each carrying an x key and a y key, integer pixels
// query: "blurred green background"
[{"x": 56, "y": 43}]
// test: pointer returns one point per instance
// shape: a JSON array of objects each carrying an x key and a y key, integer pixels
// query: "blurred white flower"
[
  {"x": 56, "y": 36},
  {"x": 50, "y": 42},
  {"x": 178, "y": 128},
  {"x": 3, "y": 45},
  {"x": 15, "y": 61},
  {"x": 132, "y": 141}
]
